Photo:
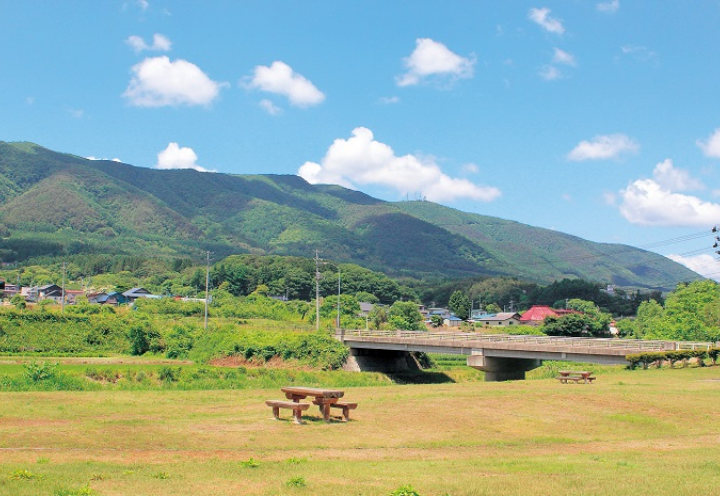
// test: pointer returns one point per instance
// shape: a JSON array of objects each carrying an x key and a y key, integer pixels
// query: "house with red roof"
[{"x": 536, "y": 314}]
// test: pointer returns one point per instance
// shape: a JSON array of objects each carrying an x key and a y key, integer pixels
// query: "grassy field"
[{"x": 646, "y": 432}]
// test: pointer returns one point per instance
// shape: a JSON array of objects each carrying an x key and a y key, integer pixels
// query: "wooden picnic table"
[
  {"x": 323, "y": 397},
  {"x": 575, "y": 375}
]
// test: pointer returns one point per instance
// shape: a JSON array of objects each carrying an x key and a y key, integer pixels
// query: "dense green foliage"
[
  {"x": 690, "y": 313},
  {"x": 111, "y": 208},
  {"x": 459, "y": 304}
]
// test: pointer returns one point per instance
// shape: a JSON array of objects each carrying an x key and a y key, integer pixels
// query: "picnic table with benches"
[
  {"x": 325, "y": 399},
  {"x": 567, "y": 376}
]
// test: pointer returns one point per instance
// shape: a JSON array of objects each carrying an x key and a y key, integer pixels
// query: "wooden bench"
[
  {"x": 346, "y": 406},
  {"x": 296, "y": 407}
]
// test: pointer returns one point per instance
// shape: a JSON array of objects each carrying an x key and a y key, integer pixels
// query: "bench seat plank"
[{"x": 297, "y": 408}]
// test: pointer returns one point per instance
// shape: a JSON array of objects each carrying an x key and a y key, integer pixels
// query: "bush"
[{"x": 40, "y": 371}]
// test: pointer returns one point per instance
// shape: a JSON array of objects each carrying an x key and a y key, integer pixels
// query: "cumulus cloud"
[
  {"x": 655, "y": 202},
  {"x": 563, "y": 57},
  {"x": 158, "y": 82},
  {"x": 160, "y": 43},
  {"x": 360, "y": 160},
  {"x": 176, "y": 157},
  {"x": 433, "y": 59},
  {"x": 542, "y": 18},
  {"x": 711, "y": 146},
  {"x": 603, "y": 147},
  {"x": 705, "y": 265},
  {"x": 674, "y": 179},
  {"x": 280, "y": 79},
  {"x": 610, "y": 7},
  {"x": 270, "y": 107}
]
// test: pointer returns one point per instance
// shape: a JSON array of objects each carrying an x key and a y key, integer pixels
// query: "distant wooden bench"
[
  {"x": 575, "y": 376},
  {"x": 297, "y": 408},
  {"x": 346, "y": 406}
]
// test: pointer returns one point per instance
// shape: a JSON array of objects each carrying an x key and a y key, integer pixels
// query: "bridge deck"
[{"x": 603, "y": 350}]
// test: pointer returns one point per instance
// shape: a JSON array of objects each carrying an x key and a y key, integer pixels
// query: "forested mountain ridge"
[{"x": 54, "y": 204}]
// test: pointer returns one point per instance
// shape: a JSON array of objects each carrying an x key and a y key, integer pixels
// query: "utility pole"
[
  {"x": 207, "y": 286},
  {"x": 62, "y": 292},
  {"x": 338, "y": 302},
  {"x": 317, "y": 290}
]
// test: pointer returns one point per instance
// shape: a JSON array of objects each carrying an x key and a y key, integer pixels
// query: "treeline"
[
  {"x": 294, "y": 279},
  {"x": 503, "y": 293}
]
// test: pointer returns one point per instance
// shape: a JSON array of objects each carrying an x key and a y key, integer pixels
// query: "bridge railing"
[{"x": 466, "y": 338}]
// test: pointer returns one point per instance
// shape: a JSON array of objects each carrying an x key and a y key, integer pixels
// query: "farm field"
[{"x": 632, "y": 432}]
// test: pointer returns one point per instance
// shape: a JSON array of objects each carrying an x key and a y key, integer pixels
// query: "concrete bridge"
[{"x": 502, "y": 357}]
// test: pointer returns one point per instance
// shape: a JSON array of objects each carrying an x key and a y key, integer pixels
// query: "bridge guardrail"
[{"x": 534, "y": 340}]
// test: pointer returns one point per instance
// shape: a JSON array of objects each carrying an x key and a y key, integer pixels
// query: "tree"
[
  {"x": 18, "y": 301},
  {"x": 460, "y": 305},
  {"x": 406, "y": 316},
  {"x": 437, "y": 320},
  {"x": 493, "y": 308}
]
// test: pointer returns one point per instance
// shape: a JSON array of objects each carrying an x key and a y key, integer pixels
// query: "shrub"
[
  {"x": 405, "y": 491},
  {"x": 169, "y": 374},
  {"x": 297, "y": 482},
  {"x": 40, "y": 371}
]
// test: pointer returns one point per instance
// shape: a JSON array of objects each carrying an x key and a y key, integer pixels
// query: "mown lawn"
[{"x": 631, "y": 433}]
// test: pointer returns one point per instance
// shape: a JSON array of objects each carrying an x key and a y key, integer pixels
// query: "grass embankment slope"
[{"x": 632, "y": 432}]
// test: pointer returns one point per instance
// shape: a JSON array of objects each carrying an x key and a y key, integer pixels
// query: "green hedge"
[{"x": 673, "y": 356}]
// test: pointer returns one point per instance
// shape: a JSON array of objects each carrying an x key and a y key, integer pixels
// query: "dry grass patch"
[{"x": 629, "y": 433}]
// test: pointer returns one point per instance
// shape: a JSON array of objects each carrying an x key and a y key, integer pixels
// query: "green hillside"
[{"x": 54, "y": 204}]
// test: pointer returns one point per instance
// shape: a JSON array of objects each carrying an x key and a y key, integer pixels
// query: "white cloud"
[
  {"x": 270, "y": 107},
  {"x": 470, "y": 169},
  {"x": 542, "y": 18},
  {"x": 705, "y": 265},
  {"x": 175, "y": 157},
  {"x": 363, "y": 161},
  {"x": 610, "y": 7},
  {"x": 609, "y": 198},
  {"x": 77, "y": 113},
  {"x": 159, "y": 82},
  {"x": 95, "y": 158},
  {"x": 716, "y": 192},
  {"x": 673, "y": 179},
  {"x": 646, "y": 202},
  {"x": 389, "y": 100},
  {"x": 563, "y": 57},
  {"x": 280, "y": 79},
  {"x": 550, "y": 73},
  {"x": 431, "y": 58},
  {"x": 160, "y": 43},
  {"x": 144, "y": 4},
  {"x": 640, "y": 53},
  {"x": 711, "y": 147},
  {"x": 603, "y": 147}
]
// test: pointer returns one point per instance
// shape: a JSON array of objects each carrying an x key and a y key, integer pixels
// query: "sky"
[{"x": 597, "y": 118}]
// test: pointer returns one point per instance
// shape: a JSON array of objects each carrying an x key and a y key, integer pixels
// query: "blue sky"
[{"x": 595, "y": 118}]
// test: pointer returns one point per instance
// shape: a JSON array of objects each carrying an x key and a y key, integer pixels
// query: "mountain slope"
[{"x": 53, "y": 203}]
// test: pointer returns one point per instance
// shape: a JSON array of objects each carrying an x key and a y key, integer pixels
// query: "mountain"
[{"x": 55, "y": 204}]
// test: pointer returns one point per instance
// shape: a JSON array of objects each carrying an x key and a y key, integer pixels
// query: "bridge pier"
[
  {"x": 503, "y": 369},
  {"x": 385, "y": 361}
]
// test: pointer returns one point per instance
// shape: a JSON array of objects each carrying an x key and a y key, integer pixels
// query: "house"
[
  {"x": 71, "y": 294},
  {"x": 502, "y": 319},
  {"x": 10, "y": 290},
  {"x": 50, "y": 292},
  {"x": 133, "y": 294},
  {"x": 366, "y": 308},
  {"x": 113, "y": 298},
  {"x": 452, "y": 321},
  {"x": 536, "y": 315}
]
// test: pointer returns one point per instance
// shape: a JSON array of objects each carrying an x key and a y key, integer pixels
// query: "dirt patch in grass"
[{"x": 235, "y": 361}]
